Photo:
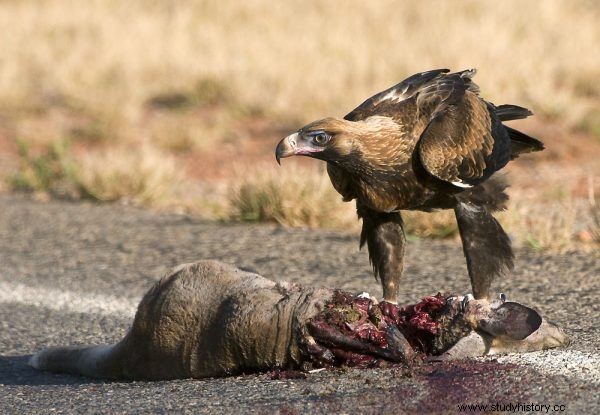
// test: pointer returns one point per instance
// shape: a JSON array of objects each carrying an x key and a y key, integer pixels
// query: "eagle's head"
[
  {"x": 341, "y": 141},
  {"x": 328, "y": 139}
]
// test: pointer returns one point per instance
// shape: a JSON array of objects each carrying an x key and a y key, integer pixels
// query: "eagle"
[{"x": 428, "y": 143}]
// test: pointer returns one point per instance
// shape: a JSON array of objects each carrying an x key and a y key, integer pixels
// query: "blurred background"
[{"x": 178, "y": 105}]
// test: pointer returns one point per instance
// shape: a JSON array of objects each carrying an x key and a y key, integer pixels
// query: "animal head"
[{"x": 500, "y": 326}]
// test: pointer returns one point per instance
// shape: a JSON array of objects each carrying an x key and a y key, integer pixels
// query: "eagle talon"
[
  {"x": 389, "y": 309},
  {"x": 465, "y": 301}
]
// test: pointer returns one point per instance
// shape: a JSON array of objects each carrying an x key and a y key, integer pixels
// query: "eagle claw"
[{"x": 389, "y": 309}]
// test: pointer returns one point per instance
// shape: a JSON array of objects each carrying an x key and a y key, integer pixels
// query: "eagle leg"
[
  {"x": 486, "y": 246},
  {"x": 384, "y": 236}
]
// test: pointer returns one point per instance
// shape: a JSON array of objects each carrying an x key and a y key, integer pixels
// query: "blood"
[
  {"x": 360, "y": 318},
  {"x": 417, "y": 322}
]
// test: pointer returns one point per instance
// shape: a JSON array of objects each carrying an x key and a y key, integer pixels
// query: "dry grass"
[
  {"x": 596, "y": 224},
  {"x": 290, "y": 197},
  {"x": 51, "y": 171},
  {"x": 142, "y": 176},
  {"x": 542, "y": 226},
  {"x": 440, "y": 224},
  {"x": 595, "y": 215},
  {"x": 110, "y": 61},
  {"x": 139, "y": 176},
  {"x": 554, "y": 217},
  {"x": 186, "y": 81}
]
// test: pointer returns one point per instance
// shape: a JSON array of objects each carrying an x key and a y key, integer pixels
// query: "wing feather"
[
  {"x": 464, "y": 143},
  {"x": 389, "y": 102},
  {"x": 460, "y": 137}
]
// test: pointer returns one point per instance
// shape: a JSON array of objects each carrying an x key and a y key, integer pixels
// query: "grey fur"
[{"x": 200, "y": 320}]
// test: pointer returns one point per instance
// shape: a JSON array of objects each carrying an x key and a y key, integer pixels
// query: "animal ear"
[{"x": 512, "y": 320}]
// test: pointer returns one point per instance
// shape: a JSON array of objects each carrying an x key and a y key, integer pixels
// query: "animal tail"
[
  {"x": 520, "y": 143},
  {"x": 509, "y": 112},
  {"x": 92, "y": 361}
]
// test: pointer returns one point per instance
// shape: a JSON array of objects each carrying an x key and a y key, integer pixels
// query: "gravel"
[{"x": 70, "y": 273}]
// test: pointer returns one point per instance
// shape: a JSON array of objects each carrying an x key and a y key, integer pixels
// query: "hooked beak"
[
  {"x": 286, "y": 147},
  {"x": 297, "y": 145}
]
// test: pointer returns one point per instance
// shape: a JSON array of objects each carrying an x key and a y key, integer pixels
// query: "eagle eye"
[{"x": 321, "y": 138}]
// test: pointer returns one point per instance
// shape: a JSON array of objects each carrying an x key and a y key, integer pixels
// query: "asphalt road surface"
[{"x": 73, "y": 273}]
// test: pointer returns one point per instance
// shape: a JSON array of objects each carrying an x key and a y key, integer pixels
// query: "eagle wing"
[
  {"x": 461, "y": 140},
  {"x": 388, "y": 103},
  {"x": 464, "y": 142}
]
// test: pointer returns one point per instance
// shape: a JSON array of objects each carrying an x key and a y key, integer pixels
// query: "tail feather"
[
  {"x": 521, "y": 143},
  {"x": 509, "y": 112}
]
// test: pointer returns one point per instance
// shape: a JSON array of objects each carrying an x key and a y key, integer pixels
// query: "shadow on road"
[{"x": 14, "y": 370}]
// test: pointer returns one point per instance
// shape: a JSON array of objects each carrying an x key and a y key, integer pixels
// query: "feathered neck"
[{"x": 375, "y": 149}]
